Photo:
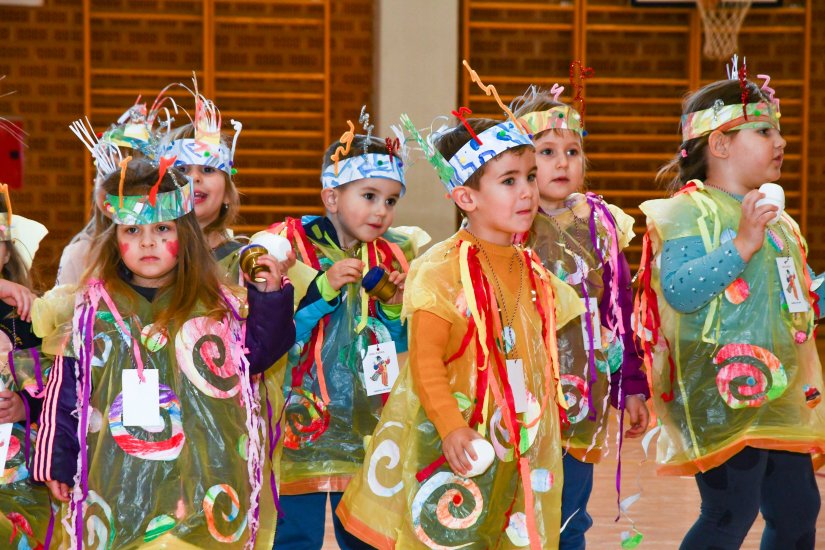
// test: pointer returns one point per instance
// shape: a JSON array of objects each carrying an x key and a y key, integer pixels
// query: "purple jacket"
[{"x": 630, "y": 379}]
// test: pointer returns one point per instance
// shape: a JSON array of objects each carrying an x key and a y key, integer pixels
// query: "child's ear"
[
  {"x": 329, "y": 197},
  {"x": 718, "y": 143},
  {"x": 463, "y": 197}
]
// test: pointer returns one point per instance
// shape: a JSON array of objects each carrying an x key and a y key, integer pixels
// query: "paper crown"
[
  {"x": 487, "y": 145},
  {"x": 153, "y": 207},
  {"x": 560, "y": 117},
  {"x": 206, "y": 147},
  {"x": 729, "y": 117},
  {"x": 371, "y": 165},
  {"x": 24, "y": 234},
  {"x": 756, "y": 114}
]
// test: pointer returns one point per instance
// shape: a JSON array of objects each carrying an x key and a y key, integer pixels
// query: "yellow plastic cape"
[
  {"x": 746, "y": 371},
  {"x": 385, "y": 503}
]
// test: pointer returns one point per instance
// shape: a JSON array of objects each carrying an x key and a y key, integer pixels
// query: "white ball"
[
  {"x": 486, "y": 455},
  {"x": 775, "y": 195},
  {"x": 277, "y": 246}
]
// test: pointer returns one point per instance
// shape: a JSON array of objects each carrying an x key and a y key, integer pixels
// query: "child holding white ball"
[{"x": 728, "y": 299}]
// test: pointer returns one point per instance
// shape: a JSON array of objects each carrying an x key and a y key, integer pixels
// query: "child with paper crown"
[
  {"x": 133, "y": 134},
  {"x": 483, "y": 366},
  {"x": 151, "y": 426},
  {"x": 24, "y": 506},
  {"x": 737, "y": 380},
  {"x": 580, "y": 238},
  {"x": 206, "y": 155},
  {"x": 332, "y": 402}
]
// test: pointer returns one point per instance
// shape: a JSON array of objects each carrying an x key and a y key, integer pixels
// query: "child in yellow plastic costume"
[
  {"x": 581, "y": 238},
  {"x": 483, "y": 365},
  {"x": 329, "y": 408},
  {"x": 736, "y": 378}
]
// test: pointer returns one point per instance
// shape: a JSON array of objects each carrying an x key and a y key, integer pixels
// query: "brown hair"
[
  {"x": 693, "y": 163},
  {"x": 228, "y": 214},
  {"x": 448, "y": 144},
  {"x": 15, "y": 269},
  {"x": 195, "y": 281},
  {"x": 375, "y": 145}
]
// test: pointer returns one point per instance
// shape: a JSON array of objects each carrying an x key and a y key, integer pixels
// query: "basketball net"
[{"x": 721, "y": 21}]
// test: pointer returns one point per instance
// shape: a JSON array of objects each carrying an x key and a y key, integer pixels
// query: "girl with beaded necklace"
[
  {"x": 737, "y": 380},
  {"x": 580, "y": 239}
]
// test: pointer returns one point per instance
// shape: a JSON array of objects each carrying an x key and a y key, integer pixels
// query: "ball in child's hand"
[
  {"x": 486, "y": 455},
  {"x": 277, "y": 245},
  {"x": 775, "y": 195}
]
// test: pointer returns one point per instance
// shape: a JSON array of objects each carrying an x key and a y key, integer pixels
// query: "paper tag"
[
  {"x": 380, "y": 367},
  {"x": 5, "y": 440},
  {"x": 789, "y": 279},
  {"x": 595, "y": 323},
  {"x": 515, "y": 375},
  {"x": 141, "y": 400}
]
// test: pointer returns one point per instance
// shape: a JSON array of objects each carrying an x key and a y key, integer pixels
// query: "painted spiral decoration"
[
  {"x": 307, "y": 418},
  {"x": 201, "y": 347},
  {"x": 445, "y": 509},
  {"x": 750, "y": 375},
  {"x": 387, "y": 455},
  {"x": 166, "y": 449},
  {"x": 576, "y": 393},
  {"x": 209, "y": 502}
]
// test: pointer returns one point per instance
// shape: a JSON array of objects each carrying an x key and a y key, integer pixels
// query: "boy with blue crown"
[{"x": 333, "y": 401}]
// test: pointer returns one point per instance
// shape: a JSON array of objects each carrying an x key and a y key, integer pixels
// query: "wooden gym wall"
[
  {"x": 42, "y": 52},
  {"x": 645, "y": 59},
  {"x": 292, "y": 71}
]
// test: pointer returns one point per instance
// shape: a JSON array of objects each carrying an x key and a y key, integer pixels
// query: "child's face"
[
  {"x": 757, "y": 154},
  {"x": 365, "y": 208},
  {"x": 149, "y": 251},
  {"x": 507, "y": 198},
  {"x": 559, "y": 166},
  {"x": 210, "y": 191}
]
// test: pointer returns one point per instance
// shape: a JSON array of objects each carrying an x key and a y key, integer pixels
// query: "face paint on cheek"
[
  {"x": 124, "y": 248},
  {"x": 172, "y": 248}
]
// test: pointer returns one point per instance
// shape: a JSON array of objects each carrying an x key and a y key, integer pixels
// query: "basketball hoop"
[{"x": 721, "y": 21}]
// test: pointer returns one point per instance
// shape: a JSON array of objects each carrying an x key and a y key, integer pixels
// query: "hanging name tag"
[
  {"x": 5, "y": 441},
  {"x": 595, "y": 323},
  {"x": 141, "y": 400},
  {"x": 515, "y": 375},
  {"x": 789, "y": 279},
  {"x": 380, "y": 366}
]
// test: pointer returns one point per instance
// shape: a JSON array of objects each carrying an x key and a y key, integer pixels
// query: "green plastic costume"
[
  {"x": 742, "y": 370},
  {"x": 25, "y": 507},
  {"x": 328, "y": 412},
  {"x": 188, "y": 483}
]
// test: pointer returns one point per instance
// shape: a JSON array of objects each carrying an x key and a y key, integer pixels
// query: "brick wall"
[{"x": 41, "y": 52}]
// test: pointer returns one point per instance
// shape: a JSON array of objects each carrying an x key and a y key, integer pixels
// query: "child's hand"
[
  {"x": 272, "y": 277},
  {"x": 751, "y": 233},
  {"x": 18, "y": 297},
  {"x": 11, "y": 407},
  {"x": 59, "y": 490},
  {"x": 345, "y": 271},
  {"x": 637, "y": 414},
  {"x": 454, "y": 447},
  {"x": 397, "y": 278}
]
